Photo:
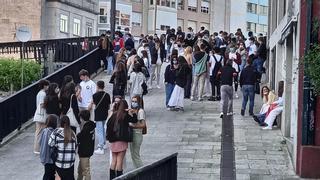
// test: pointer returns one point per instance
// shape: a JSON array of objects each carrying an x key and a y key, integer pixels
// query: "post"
[
  {"x": 23, "y": 56},
  {"x": 155, "y": 16},
  {"x": 113, "y": 19}
]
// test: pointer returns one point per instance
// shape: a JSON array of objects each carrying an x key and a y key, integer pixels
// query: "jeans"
[
  {"x": 135, "y": 149},
  {"x": 248, "y": 92},
  {"x": 110, "y": 65},
  {"x": 49, "y": 172},
  {"x": 101, "y": 133},
  {"x": 198, "y": 80},
  {"x": 66, "y": 173},
  {"x": 187, "y": 88},
  {"x": 84, "y": 168},
  {"x": 261, "y": 117},
  {"x": 226, "y": 103},
  {"x": 169, "y": 89}
]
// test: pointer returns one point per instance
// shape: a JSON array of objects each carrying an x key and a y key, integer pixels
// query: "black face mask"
[{"x": 179, "y": 45}]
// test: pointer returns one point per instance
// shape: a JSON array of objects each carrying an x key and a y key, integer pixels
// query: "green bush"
[
  {"x": 312, "y": 64},
  {"x": 10, "y": 73}
]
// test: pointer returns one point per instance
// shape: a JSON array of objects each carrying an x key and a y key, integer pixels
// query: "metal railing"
[
  {"x": 65, "y": 50},
  {"x": 164, "y": 169},
  {"x": 20, "y": 107}
]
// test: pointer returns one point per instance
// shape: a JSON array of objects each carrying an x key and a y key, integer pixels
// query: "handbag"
[{"x": 71, "y": 116}]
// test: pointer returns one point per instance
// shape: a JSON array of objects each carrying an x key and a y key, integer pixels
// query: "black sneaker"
[
  {"x": 242, "y": 112},
  {"x": 212, "y": 99},
  {"x": 255, "y": 118},
  {"x": 251, "y": 114},
  {"x": 221, "y": 115}
]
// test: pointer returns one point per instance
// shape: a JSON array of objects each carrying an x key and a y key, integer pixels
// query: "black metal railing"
[
  {"x": 20, "y": 107},
  {"x": 65, "y": 50},
  {"x": 164, "y": 169}
]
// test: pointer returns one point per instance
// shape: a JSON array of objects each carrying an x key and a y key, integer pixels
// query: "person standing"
[
  {"x": 188, "y": 57},
  {"x": 119, "y": 80},
  {"x": 216, "y": 63},
  {"x": 136, "y": 80},
  {"x": 118, "y": 136},
  {"x": 201, "y": 60},
  {"x": 227, "y": 75},
  {"x": 85, "y": 140},
  {"x": 88, "y": 88},
  {"x": 170, "y": 78},
  {"x": 157, "y": 56},
  {"x": 101, "y": 102},
  {"x": 248, "y": 78},
  {"x": 137, "y": 139},
  {"x": 40, "y": 114},
  {"x": 64, "y": 139},
  {"x": 51, "y": 101},
  {"x": 45, "y": 151}
]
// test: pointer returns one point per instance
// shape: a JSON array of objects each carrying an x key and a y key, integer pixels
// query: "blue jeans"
[
  {"x": 261, "y": 117},
  {"x": 169, "y": 89},
  {"x": 248, "y": 92},
  {"x": 101, "y": 133},
  {"x": 110, "y": 65}
]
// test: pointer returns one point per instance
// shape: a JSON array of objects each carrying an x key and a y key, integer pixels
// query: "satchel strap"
[{"x": 101, "y": 100}]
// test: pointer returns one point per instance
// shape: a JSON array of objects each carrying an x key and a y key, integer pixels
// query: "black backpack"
[{"x": 217, "y": 67}]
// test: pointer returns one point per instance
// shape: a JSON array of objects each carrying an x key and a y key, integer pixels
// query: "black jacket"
[
  {"x": 154, "y": 54},
  {"x": 119, "y": 130},
  {"x": 52, "y": 105},
  {"x": 227, "y": 75},
  {"x": 182, "y": 75},
  {"x": 170, "y": 75},
  {"x": 86, "y": 139},
  {"x": 248, "y": 76},
  {"x": 119, "y": 81},
  {"x": 129, "y": 44},
  {"x": 65, "y": 105}
]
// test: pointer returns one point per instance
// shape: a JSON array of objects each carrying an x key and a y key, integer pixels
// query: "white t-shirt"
[
  {"x": 141, "y": 116},
  {"x": 88, "y": 88},
  {"x": 252, "y": 49},
  {"x": 40, "y": 97},
  {"x": 212, "y": 61}
]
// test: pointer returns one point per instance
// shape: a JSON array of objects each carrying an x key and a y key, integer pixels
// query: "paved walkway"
[{"x": 195, "y": 134}]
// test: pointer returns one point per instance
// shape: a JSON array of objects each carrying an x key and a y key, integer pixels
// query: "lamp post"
[{"x": 113, "y": 18}]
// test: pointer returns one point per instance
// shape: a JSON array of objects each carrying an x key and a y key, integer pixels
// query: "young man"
[
  {"x": 88, "y": 88},
  {"x": 216, "y": 63},
  {"x": 85, "y": 141},
  {"x": 102, "y": 102},
  {"x": 248, "y": 78},
  {"x": 227, "y": 75}
]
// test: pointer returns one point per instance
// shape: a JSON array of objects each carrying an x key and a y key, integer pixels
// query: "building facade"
[
  {"x": 249, "y": 15},
  {"x": 289, "y": 37},
  {"x": 49, "y": 19}
]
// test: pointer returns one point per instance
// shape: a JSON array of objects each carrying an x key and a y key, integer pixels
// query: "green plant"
[
  {"x": 10, "y": 73},
  {"x": 312, "y": 67}
]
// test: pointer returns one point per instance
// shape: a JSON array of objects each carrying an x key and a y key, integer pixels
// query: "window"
[
  {"x": 76, "y": 27},
  {"x": 102, "y": 31},
  {"x": 136, "y": 19},
  {"x": 63, "y": 23},
  {"x": 180, "y": 4},
  {"x": 193, "y": 25},
  {"x": 252, "y": 8},
  {"x": 125, "y": 19},
  {"x": 164, "y": 27},
  {"x": 173, "y": 4},
  {"x": 263, "y": 10},
  {"x": 180, "y": 23},
  {"x": 103, "y": 18},
  {"x": 192, "y": 5},
  {"x": 89, "y": 29},
  {"x": 251, "y": 26},
  {"x": 205, "y": 7},
  {"x": 117, "y": 17}
]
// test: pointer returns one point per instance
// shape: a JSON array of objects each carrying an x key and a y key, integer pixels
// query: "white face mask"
[{"x": 57, "y": 90}]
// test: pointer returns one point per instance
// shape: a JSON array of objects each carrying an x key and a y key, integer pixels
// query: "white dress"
[{"x": 177, "y": 97}]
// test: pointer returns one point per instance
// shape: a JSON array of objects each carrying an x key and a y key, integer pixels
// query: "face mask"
[
  {"x": 116, "y": 37},
  {"x": 179, "y": 46},
  {"x": 175, "y": 62},
  {"x": 134, "y": 105},
  {"x": 57, "y": 90}
]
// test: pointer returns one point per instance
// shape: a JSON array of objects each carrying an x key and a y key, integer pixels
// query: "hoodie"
[{"x": 86, "y": 139}]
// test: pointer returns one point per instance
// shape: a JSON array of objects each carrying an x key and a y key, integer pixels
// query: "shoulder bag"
[{"x": 71, "y": 116}]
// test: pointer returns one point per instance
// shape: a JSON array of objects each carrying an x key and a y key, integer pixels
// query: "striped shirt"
[{"x": 66, "y": 153}]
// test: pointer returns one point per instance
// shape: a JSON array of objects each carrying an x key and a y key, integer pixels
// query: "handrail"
[{"x": 163, "y": 169}]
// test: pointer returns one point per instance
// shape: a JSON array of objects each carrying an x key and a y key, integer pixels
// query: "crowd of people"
[{"x": 199, "y": 66}]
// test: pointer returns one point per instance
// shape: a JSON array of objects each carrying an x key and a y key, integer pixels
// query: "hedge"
[{"x": 10, "y": 73}]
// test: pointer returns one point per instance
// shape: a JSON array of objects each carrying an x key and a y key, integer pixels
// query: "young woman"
[
  {"x": 137, "y": 131},
  {"x": 170, "y": 76},
  {"x": 68, "y": 100},
  {"x": 40, "y": 115},
  {"x": 45, "y": 153},
  {"x": 118, "y": 135},
  {"x": 188, "y": 56},
  {"x": 64, "y": 140},
  {"x": 136, "y": 80},
  {"x": 51, "y": 101},
  {"x": 119, "y": 80},
  {"x": 177, "y": 97}
]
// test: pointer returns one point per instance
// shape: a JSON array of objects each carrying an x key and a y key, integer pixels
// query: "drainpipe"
[
  {"x": 308, "y": 118},
  {"x": 113, "y": 18}
]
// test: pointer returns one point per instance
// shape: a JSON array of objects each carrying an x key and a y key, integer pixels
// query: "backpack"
[{"x": 217, "y": 67}]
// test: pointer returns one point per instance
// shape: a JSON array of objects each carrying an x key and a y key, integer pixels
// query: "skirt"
[
  {"x": 118, "y": 146},
  {"x": 177, "y": 97}
]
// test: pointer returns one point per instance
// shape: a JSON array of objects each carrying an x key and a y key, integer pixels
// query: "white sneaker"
[
  {"x": 158, "y": 87},
  {"x": 36, "y": 152},
  {"x": 237, "y": 97},
  {"x": 267, "y": 128},
  {"x": 105, "y": 146},
  {"x": 192, "y": 98},
  {"x": 99, "y": 151},
  {"x": 230, "y": 114}
]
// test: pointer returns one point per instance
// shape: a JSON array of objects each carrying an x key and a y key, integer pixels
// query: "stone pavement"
[{"x": 195, "y": 134}]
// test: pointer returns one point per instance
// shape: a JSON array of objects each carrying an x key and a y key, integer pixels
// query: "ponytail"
[{"x": 65, "y": 124}]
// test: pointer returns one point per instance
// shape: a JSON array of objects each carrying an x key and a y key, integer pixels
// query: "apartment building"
[
  {"x": 156, "y": 16},
  {"x": 49, "y": 19},
  {"x": 249, "y": 15}
]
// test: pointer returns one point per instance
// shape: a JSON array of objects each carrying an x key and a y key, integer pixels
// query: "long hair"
[
  {"x": 121, "y": 112},
  {"x": 121, "y": 54},
  {"x": 188, "y": 51},
  {"x": 68, "y": 133},
  {"x": 139, "y": 101},
  {"x": 50, "y": 93},
  {"x": 262, "y": 91},
  {"x": 105, "y": 43},
  {"x": 69, "y": 89},
  {"x": 52, "y": 121}
]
